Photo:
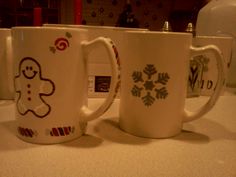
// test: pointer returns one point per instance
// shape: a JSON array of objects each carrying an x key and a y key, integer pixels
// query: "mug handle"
[
  {"x": 85, "y": 113},
  {"x": 188, "y": 115}
]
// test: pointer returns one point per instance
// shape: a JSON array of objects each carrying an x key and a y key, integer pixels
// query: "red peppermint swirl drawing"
[{"x": 61, "y": 44}]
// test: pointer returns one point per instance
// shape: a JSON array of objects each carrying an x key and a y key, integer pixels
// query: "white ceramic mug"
[
  {"x": 154, "y": 79},
  {"x": 6, "y": 68},
  {"x": 203, "y": 71},
  {"x": 50, "y": 67},
  {"x": 99, "y": 70}
]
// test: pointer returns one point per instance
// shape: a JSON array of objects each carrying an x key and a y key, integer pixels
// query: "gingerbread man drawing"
[{"x": 31, "y": 88}]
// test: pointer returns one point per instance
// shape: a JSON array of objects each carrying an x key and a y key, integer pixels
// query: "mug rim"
[
  {"x": 41, "y": 28},
  {"x": 158, "y": 32},
  {"x": 94, "y": 27},
  {"x": 5, "y": 29},
  {"x": 212, "y": 37}
]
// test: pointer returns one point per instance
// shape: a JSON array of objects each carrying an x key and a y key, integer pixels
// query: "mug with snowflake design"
[
  {"x": 50, "y": 77},
  {"x": 154, "y": 79}
]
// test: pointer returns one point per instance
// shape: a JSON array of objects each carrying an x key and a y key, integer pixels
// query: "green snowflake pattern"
[{"x": 150, "y": 85}]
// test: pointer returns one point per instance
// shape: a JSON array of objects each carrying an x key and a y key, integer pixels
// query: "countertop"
[{"x": 205, "y": 148}]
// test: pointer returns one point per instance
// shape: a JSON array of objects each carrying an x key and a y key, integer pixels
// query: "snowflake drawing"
[{"x": 150, "y": 85}]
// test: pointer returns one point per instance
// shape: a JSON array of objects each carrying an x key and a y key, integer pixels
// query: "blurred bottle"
[
  {"x": 166, "y": 27},
  {"x": 127, "y": 18},
  {"x": 218, "y": 18},
  {"x": 190, "y": 29}
]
